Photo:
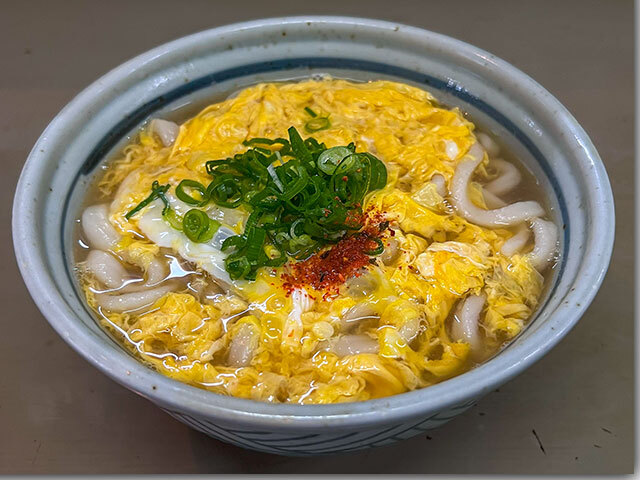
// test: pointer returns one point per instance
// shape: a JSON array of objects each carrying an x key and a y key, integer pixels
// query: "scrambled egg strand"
[{"x": 442, "y": 257}]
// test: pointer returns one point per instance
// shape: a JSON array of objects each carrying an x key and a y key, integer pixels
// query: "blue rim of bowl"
[{"x": 185, "y": 398}]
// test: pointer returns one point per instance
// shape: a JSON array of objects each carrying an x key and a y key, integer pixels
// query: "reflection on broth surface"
[{"x": 315, "y": 242}]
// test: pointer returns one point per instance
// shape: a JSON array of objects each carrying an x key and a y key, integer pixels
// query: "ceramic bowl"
[{"x": 210, "y": 64}]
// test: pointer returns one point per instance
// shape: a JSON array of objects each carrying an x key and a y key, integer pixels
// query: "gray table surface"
[{"x": 60, "y": 415}]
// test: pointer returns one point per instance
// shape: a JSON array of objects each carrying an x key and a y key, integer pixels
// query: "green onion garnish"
[
  {"x": 183, "y": 194},
  {"x": 157, "y": 191},
  {"x": 301, "y": 195},
  {"x": 378, "y": 250},
  {"x": 198, "y": 227},
  {"x": 225, "y": 191},
  {"x": 310, "y": 112},
  {"x": 317, "y": 124},
  {"x": 329, "y": 159},
  {"x": 173, "y": 219},
  {"x": 299, "y": 147}
]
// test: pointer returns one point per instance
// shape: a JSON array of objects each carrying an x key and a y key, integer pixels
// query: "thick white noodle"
[
  {"x": 517, "y": 242},
  {"x": 492, "y": 201},
  {"x": 357, "y": 313},
  {"x": 464, "y": 327},
  {"x": 353, "y": 345},
  {"x": 242, "y": 347},
  {"x": 127, "y": 302},
  {"x": 499, "y": 217},
  {"x": 98, "y": 229},
  {"x": 165, "y": 130},
  {"x": 508, "y": 177},
  {"x": 156, "y": 272},
  {"x": 439, "y": 181},
  {"x": 545, "y": 234},
  {"x": 489, "y": 145},
  {"x": 107, "y": 269}
]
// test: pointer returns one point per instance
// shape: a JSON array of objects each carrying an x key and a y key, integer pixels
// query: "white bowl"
[{"x": 209, "y": 64}]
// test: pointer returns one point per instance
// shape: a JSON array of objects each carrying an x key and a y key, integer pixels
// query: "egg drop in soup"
[{"x": 315, "y": 242}]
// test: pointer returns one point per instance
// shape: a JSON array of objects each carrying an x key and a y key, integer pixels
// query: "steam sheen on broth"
[{"x": 380, "y": 245}]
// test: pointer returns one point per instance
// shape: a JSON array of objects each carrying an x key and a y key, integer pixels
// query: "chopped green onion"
[
  {"x": 317, "y": 124},
  {"x": 198, "y": 227},
  {"x": 272, "y": 172},
  {"x": 378, "y": 173},
  {"x": 237, "y": 267},
  {"x": 173, "y": 219},
  {"x": 301, "y": 241},
  {"x": 258, "y": 141},
  {"x": 278, "y": 261},
  {"x": 183, "y": 195},
  {"x": 266, "y": 198},
  {"x": 296, "y": 185},
  {"x": 310, "y": 112},
  {"x": 236, "y": 241},
  {"x": 268, "y": 219},
  {"x": 225, "y": 191},
  {"x": 292, "y": 229},
  {"x": 348, "y": 163},
  {"x": 255, "y": 243},
  {"x": 299, "y": 148},
  {"x": 301, "y": 195},
  {"x": 265, "y": 141},
  {"x": 330, "y": 158},
  {"x": 157, "y": 191},
  {"x": 378, "y": 250}
]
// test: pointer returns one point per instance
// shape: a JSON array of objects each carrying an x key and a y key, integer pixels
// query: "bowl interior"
[{"x": 174, "y": 80}]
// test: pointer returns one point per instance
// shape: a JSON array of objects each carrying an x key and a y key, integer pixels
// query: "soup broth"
[{"x": 318, "y": 241}]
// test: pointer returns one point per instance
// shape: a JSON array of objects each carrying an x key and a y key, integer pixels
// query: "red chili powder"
[{"x": 328, "y": 269}]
